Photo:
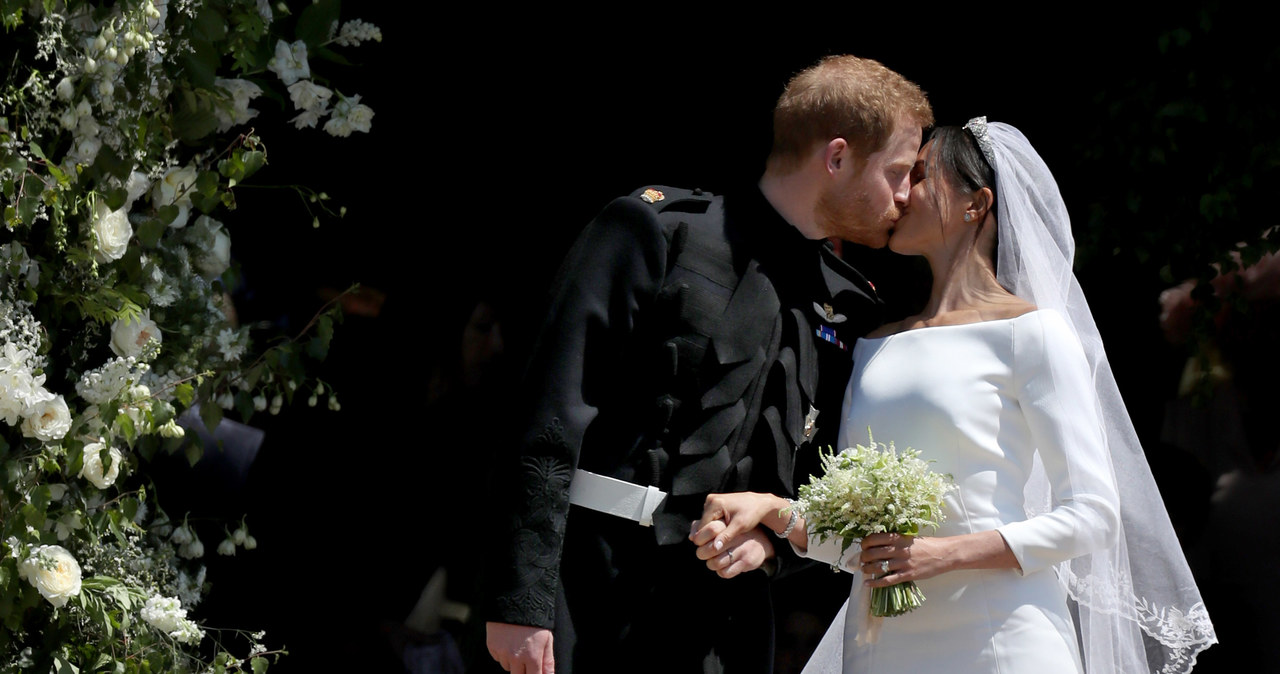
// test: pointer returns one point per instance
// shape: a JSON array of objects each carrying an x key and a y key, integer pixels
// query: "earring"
[{"x": 968, "y": 217}]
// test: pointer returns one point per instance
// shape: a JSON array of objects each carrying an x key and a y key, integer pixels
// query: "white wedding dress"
[{"x": 995, "y": 404}]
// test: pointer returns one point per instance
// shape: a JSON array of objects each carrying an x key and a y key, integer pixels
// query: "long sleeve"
[
  {"x": 1058, "y": 400},
  {"x": 607, "y": 280}
]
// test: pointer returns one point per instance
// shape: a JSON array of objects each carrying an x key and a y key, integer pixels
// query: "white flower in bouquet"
[
  {"x": 48, "y": 418},
  {"x": 875, "y": 489},
  {"x": 17, "y": 386},
  {"x": 112, "y": 231},
  {"x": 175, "y": 189},
  {"x": 308, "y": 119},
  {"x": 54, "y": 572},
  {"x": 94, "y": 471},
  {"x": 217, "y": 252},
  {"x": 290, "y": 61},
  {"x": 307, "y": 95},
  {"x": 356, "y": 31},
  {"x": 129, "y": 337},
  {"x": 349, "y": 115},
  {"x": 65, "y": 89},
  {"x": 192, "y": 550},
  {"x": 227, "y": 548},
  {"x": 237, "y": 110},
  {"x": 136, "y": 185},
  {"x": 167, "y": 615}
]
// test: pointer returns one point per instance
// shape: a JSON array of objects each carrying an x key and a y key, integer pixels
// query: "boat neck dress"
[{"x": 994, "y": 404}]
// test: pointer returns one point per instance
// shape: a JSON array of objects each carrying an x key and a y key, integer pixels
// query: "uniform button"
[{"x": 697, "y": 191}]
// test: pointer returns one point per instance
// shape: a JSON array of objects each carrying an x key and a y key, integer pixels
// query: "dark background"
[{"x": 498, "y": 134}]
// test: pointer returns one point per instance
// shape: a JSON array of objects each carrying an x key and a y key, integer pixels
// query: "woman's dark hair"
[
  {"x": 958, "y": 160},
  {"x": 956, "y": 153}
]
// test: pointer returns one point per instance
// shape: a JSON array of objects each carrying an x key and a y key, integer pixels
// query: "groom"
[{"x": 695, "y": 343}]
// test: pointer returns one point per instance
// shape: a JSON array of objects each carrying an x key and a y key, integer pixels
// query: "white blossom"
[
  {"x": 349, "y": 115},
  {"x": 129, "y": 336},
  {"x": 217, "y": 251},
  {"x": 175, "y": 188},
  {"x": 236, "y": 110},
  {"x": 290, "y": 61},
  {"x": 308, "y": 119},
  {"x": 167, "y": 615},
  {"x": 231, "y": 344},
  {"x": 93, "y": 470},
  {"x": 48, "y": 419},
  {"x": 54, "y": 572},
  {"x": 307, "y": 95},
  {"x": 356, "y": 31},
  {"x": 112, "y": 232},
  {"x": 227, "y": 548}
]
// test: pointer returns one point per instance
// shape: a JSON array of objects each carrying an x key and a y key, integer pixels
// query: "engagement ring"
[
  {"x": 730, "y": 553},
  {"x": 884, "y": 566}
]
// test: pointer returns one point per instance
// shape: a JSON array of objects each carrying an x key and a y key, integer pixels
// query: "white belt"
[{"x": 616, "y": 497}]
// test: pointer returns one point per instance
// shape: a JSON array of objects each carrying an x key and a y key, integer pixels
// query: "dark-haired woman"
[{"x": 1056, "y": 555}]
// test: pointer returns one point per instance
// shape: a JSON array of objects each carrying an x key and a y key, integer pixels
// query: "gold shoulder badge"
[
  {"x": 651, "y": 196},
  {"x": 828, "y": 312}
]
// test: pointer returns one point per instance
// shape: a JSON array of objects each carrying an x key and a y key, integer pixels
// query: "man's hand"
[
  {"x": 520, "y": 649},
  {"x": 738, "y": 512},
  {"x": 744, "y": 553}
]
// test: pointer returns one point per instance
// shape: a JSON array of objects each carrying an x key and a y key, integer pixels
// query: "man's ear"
[{"x": 836, "y": 156}]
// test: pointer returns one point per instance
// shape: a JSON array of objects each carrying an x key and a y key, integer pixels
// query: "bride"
[{"x": 1056, "y": 554}]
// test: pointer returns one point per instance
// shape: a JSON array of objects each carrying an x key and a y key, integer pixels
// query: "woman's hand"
[
  {"x": 741, "y": 554},
  {"x": 889, "y": 559},
  {"x": 740, "y": 512}
]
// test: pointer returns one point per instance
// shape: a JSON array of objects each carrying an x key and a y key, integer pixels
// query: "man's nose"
[{"x": 903, "y": 194}]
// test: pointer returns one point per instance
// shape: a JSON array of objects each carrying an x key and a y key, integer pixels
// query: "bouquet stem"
[{"x": 895, "y": 599}]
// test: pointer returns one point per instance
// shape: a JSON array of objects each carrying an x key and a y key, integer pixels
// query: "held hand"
[
  {"x": 739, "y": 512},
  {"x": 744, "y": 553},
  {"x": 520, "y": 649}
]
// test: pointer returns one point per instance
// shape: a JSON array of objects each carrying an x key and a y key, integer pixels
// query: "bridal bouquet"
[
  {"x": 125, "y": 137},
  {"x": 875, "y": 489}
]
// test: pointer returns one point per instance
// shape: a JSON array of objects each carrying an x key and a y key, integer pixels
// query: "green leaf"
[
  {"x": 116, "y": 198},
  {"x": 193, "y": 116},
  {"x": 315, "y": 21},
  {"x": 27, "y": 209},
  {"x": 259, "y": 665},
  {"x": 151, "y": 229},
  {"x": 125, "y": 424},
  {"x": 211, "y": 414},
  {"x": 193, "y": 452},
  {"x": 185, "y": 393}
]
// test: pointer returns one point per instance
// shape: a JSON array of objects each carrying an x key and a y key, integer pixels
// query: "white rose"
[
  {"x": 112, "y": 230},
  {"x": 54, "y": 572},
  {"x": 92, "y": 469},
  {"x": 129, "y": 336},
  {"x": 137, "y": 185},
  {"x": 176, "y": 188},
  {"x": 47, "y": 419},
  {"x": 218, "y": 256}
]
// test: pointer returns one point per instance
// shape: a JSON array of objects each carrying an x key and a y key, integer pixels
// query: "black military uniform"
[{"x": 682, "y": 349}]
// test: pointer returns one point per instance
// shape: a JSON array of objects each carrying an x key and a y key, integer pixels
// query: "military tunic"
[{"x": 682, "y": 349}]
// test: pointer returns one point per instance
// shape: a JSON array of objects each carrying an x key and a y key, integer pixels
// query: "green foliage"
[{"x": 123, "y": 140}]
